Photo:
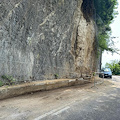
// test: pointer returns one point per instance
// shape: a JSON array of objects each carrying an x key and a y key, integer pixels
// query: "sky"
[{"x": 107, "y": 57}]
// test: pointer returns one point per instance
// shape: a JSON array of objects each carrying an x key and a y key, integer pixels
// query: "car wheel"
[{"x": 110, "y": 76}]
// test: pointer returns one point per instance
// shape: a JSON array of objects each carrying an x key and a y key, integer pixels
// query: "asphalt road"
[{"x": 71, "y": 103}]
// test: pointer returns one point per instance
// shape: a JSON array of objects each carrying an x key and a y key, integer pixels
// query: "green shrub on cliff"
[
  {"x": 1, "y": 83},
  {"x": 9, "y": 80}
]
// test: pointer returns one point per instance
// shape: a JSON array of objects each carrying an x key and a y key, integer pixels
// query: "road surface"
[{"x": 71, "y": 103}]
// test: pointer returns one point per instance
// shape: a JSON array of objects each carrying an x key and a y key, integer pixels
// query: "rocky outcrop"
[{"x": 43, "y": 38}]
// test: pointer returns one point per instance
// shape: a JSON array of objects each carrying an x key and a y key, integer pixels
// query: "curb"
[{"x": 16, "y": 90}]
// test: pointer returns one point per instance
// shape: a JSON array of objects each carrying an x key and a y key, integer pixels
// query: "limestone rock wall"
[{"x": 43, "y": 38}]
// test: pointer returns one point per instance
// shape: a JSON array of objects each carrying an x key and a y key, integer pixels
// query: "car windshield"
[{"x": 106, "y": 70}]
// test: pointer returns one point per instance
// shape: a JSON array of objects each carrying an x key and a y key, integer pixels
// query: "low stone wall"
[{"x": 16, "y": 90}]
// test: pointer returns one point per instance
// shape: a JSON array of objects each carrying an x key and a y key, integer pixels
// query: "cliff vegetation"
[{"x": 105, "y": 13}]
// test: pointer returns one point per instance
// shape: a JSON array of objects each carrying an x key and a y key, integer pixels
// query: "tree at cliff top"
[{"x": 105, "y": 13}]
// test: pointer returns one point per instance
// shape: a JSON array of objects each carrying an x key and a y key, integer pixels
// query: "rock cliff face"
[{"x": 43, "y": 38}]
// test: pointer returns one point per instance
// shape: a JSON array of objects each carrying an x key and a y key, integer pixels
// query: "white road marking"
[
  {"x": 60, "y": 111},
  {"x": 56, "y": 111}
]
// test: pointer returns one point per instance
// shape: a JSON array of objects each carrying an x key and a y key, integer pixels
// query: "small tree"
[{"x": 114, "y": 66}]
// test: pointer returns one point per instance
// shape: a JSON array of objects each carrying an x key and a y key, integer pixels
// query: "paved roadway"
[{"x": 71, "y": 103}]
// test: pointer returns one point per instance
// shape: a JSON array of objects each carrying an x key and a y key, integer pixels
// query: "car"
[{"x": 106, "y": 72}]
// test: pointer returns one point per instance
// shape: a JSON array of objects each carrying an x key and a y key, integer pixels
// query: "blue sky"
[{"x": 115, "y": 26}]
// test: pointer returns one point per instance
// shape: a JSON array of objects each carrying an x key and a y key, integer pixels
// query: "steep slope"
[{"x": 41, "y": 38}]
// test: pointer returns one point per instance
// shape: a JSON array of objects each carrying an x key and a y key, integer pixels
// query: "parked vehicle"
[{"x": 106, "y": 72}]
